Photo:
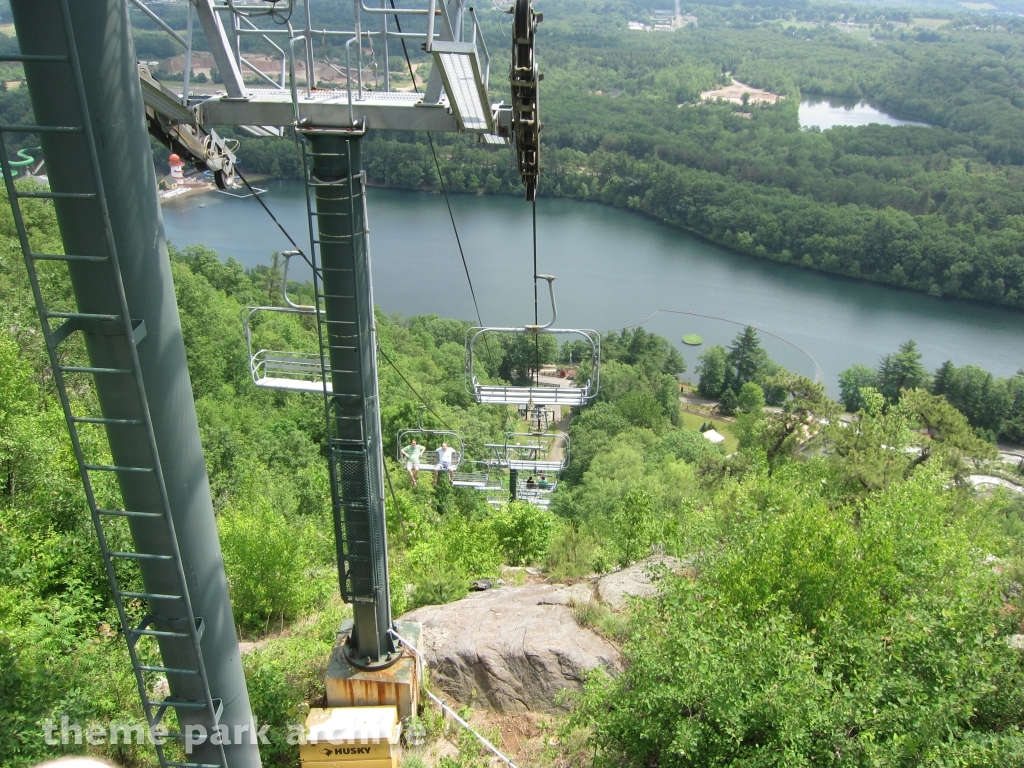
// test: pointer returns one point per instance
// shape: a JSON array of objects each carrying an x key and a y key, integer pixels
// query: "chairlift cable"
[
  {"x": 273, "y": 218},
  {"x": 440, "y": 180},
  {"x": 394, "y": 500},
  {"x": 410, "y": 386}
]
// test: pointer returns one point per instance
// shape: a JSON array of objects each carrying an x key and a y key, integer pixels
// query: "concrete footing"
[{"x": 397, "y": 685}]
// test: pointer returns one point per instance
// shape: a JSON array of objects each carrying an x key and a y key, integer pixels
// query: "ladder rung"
[
  {"x": 181, "y": 704},
  {"x": 335, "y": 296},
  {"x": 126, "y": 513},
  {"x": 82, "y": 316},
  {"x": 169, "y": 670},
  {"x": 193, "y": 765},
  {"x": 98, "y": 420},
  {"x": 183, "y": 634},
  {"x": 65, "y": 257},
  {"x": 139, "y": 556},
  {"x": 23, "y": 57},
  {"x": 115, "y": 468},
  {"x": 149, "y": 596},
  {"x": 40, "y": 128},
  {"x": 160, "y": 633},
  {"x": 89, "y": 369},
  {"x": 56, "y": 195},
  {"x": 172, "y": 702}
]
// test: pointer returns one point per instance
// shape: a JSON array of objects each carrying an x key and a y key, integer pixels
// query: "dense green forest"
[
  {"x": 848, "y": 597},
  {"x": 933, "y": 209}
]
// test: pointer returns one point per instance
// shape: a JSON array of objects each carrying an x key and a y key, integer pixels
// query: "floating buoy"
[{"x": 693, "y": 340}]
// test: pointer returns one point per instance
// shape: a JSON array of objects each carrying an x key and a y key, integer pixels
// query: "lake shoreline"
[
  {"x": 418, "y": 270},
  {"x": 731, "y": 247}
]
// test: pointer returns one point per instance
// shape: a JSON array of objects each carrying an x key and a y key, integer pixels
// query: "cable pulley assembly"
[{"x": 524, "y": 79}]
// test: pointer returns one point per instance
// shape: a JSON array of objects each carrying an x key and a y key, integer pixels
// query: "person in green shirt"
[{"x": 412, "y": 453}]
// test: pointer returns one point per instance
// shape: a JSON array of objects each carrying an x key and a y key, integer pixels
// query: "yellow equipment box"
[{"x": 347, "y": 737}]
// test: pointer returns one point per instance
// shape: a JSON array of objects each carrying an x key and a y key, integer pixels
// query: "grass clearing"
[
  {"x": 930, "y": 23},
  {"x": 693, "y": 421}
]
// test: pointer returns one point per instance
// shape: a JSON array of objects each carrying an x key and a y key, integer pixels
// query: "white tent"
[{"x": 714, "y": 436}]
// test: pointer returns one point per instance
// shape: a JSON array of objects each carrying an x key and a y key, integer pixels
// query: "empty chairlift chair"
[
  {"x": 284, "y": 370},
  {"x": 535, "y": 395},
  {"x": 531, "y": 454},
  {"x": 536, "y": 460}
]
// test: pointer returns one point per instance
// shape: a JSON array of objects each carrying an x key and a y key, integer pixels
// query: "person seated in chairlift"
[
  {"x": 531, "y": 483},
  {"x": 445, "y": 461},
  {"x": 542, "y": 482},
  {"x": 412, "y": 453}
]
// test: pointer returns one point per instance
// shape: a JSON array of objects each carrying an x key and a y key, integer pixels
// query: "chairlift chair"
[
  {"x": 429, "y": 459},
  {"x": 532, "y": 454},
  {"x": 537, "y": 394},
  {"x": 284, "y": 370},
  {"x": 472, "y": 474}
]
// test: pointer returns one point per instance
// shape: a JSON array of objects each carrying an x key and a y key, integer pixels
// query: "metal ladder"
[
  {"x": 357, "y": 542},
  {"x": 186, "y": 628}
]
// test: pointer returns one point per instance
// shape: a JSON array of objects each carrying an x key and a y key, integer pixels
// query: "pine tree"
[
  {"x": 944, "y": 378},
  {"x": 746, "y": 357},
  {"x": 901, "y": 371}
]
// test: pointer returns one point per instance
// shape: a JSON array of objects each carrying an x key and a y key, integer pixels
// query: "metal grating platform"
[{"x": 569, "y": 396}]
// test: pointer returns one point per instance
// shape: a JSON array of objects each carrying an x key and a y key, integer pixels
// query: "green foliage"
[
  {"x": 573, "y": 553},
  {"x": 900, "y": 371},
  {"x": 269, "y": 559},
  {"x": 714, "y": 373},
  {"x": 437, "y": 584},
  {"x": 286, "y": 676},
  {"x": 750, "y": 398},
  {"x": 851, "y": 383},
  {"x": 634, "y": 527},
  {"x": 524, "y": 532},
  {"x": 812, "y": 637}
]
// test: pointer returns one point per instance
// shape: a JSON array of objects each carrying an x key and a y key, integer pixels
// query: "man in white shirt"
[{"x": 445, "y": 461}]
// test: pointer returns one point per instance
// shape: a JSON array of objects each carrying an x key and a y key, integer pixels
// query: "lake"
[
  {"x": 614, "y": 269},
  {"x": 828, "y": 113}
]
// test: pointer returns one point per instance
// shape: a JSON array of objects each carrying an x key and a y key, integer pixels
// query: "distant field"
[
  {"x": 931, "y": 23},
  {"x": 979, "y": 6},
  {"x": 7, "y": 29}
]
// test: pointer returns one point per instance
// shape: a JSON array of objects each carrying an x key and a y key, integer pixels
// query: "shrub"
[
  {"x": 437, "y": 584},
  {"x": 814, "y": 638},
  {"x": 573, "y": 553},
  {"x": 524, "y": 532},
  {"x": 265, "y": 567},
  {"x": 634, "y": 526}
]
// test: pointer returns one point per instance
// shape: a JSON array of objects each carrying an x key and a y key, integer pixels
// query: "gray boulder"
[
  {"x": 512, "y": 649},
  {"x": 615, "y": 589}
]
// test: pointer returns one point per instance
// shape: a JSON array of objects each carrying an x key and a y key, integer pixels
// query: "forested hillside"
[
  {"x": 847, "y": 596},
  {"x": 933, "y": 209}
]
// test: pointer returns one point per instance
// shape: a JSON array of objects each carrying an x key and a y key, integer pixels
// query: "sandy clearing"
[{"x": 734, "y": 93}]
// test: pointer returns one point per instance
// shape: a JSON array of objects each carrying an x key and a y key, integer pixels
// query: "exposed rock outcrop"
[{"x": 513, "y": 649}]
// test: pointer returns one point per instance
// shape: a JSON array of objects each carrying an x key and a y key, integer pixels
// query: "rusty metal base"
[{"x": 348, "y": 686}]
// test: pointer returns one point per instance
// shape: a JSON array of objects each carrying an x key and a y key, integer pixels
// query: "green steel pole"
[
  {"x": 356, "y": 445},
  {"x": 114, "y": 99}
]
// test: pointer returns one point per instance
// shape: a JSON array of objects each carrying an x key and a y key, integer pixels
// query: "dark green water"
[{"x": 615, "y": 269}]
